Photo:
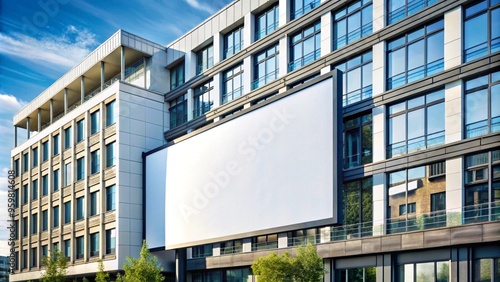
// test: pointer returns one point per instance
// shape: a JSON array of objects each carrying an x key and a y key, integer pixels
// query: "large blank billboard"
[{"x": 264, "y": 171}]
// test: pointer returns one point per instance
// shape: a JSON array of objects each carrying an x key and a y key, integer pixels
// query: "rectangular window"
[
  {"x": 45, "y": 151},
  {"x": 80, "y": 168},
  {"x": 26, "y": 162},
  {"x": 110, "y": 154},
  {"x": 45, "y": 185},
  {"x": 80, "y": 208},
  {"x": 409, "y": 196},
  {"x": 94, "y": 203},
  {"x": 110, "y": 241},
  {"x": 416, "y": 124},
  {"x": 233, "y": 42},
  {"x": 265, "y": 242},
  {"x": 80, "y": 130},
  {"x": 177, "y": 75},
  {"x": 203, "y": 99},
  {"x": 34, "y": 256},
  {"x": 352, "y": 23},
  {"x": 34, "y": 223},
  {"x": 95, "y": 160},
  {"x": 24, "y": 259},
  {"x": 16, "y": 168},
  {"x": 55, "y": 216},
  {"x": 303, "y": 237},
  {"x": 25, "y": 227},
  {"x": 34, "y": 190},
  {"x": 67, "y": 212},
  {"x": 45, "y": 220},
  {"x": 357, "y": 209},
  {"x": 301, "y": 7},
  {"x": 55, "y": 145},
  {"x": 400, "y": 9},
  {"x": 43, "y": 253},
  {"x": 358, "y": 135},
  {"x": 35, "y": 157},
  {"x": 356, "y": 274},
  {"x": 356, "y": 78},
  {"x": 202, "y": 251},
  {"x": 267, "y": 22},
  {"x": 415, "y": 55},
  {"x": 481, "y": 29},
  {"x": 67, "y": 249},
  {"x": 68, "y": 138},
  {"x": 79, "y": 247},
  {"x": 204, "y": 59},
  {"x": 16, "y": 198},
  {"x": 94, "y": 244},
  {"x": 55, "y": 180},
  {"x": 110, "y": 113},
  {"x": 424, "y": 271},
  {"x": 231, "y": 247},
  {"x": 178, "y": 111},
  {"x": 482, "y": 201},
  {"x": 110, "y": 198},
  {"x": 482, "y": 97},
  {"x": 305, "y": 46},
  {"x": 95, "y": 122},
  {"x": 438, "y": 202},
  {"x": 25, "y": 194},
  {"x": 266, "y": 67},
  {"x": 232, "y": 84}
]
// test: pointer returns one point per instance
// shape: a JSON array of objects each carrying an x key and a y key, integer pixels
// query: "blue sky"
[{"x": 40, "y": 40}]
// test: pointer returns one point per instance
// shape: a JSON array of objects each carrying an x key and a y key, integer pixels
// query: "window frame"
[
  {"x": 488, "y": 10},
  {"x": 80, "y": 130},
  {"x": 200, "y": 92},
  {"x": 270, "y": 53},
  {"x": 177, "y": 71},
  {"x": 178, "y": 111},
  {"x": 261, "y": 32},
  {"x": 349, "y": 67},
  {"x": 296, "y": 63},
  {"x": 298, "y": 12},
  {"x": 349, "y": 12},
  {"x": 204, "y": 58},
  {"x": 95, "y": 126},
  {"x": 357, "y": 125},
  {"x": 232, "y": 44},
  {"x": 236, "y": 73},
  {"x": 404, "y": 10}
]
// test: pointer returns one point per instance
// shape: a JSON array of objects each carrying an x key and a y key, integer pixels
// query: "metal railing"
[
  {"x": 304, "y": 240},
  {"x": 261, "y": 81},
  {"x": 264, "y": 246},
  {"x": 231, "y": 250},
  {"x": 308, "y": 58}
]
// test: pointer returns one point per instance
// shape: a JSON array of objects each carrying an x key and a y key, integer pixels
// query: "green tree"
[
  {"x": 101, "y": 276},
  {"x": 307, "y": 266},
  {"x": 143, "y": 269},
  {"x": 55, "y": 267}
]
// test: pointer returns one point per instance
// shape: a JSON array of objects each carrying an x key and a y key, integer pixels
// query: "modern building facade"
[{"x": 368, "y": 128}]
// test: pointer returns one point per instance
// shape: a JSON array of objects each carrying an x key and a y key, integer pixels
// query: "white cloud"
[
  {"x": 64, "y": 50},
  {"x": 10, "y": 105},
  {"x": 197, "y": 5}
]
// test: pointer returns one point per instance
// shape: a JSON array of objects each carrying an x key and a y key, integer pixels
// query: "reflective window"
[
  {"x": 67, "y": 212},
  {"x": 352, "y": 23},
  {"x": 55, "y": 216},
  {"x": 80, "y": 130},
  {"x": 68, "y": 137},
  {"x": 79, "y": 248},
  {"x": 94, "y": 203},
  {"x": 202, "y": 251},
  {"x": 55, "y": 144},
  {"x": 94, "y": 244},
  {"x": 358, "y": 141},
  {"x": 45, "y": 185},
  {"x": 25, "y": 226},
  {"x": 357, "y": 208},
  {"x": 110, "y": 154},
  {"x": 356, "y": 78},
  {"x": 95, "y": 122},
  {"x": 482, "y": 110},
  {"x": 266, "y": 67},
  {"x": 204, "y": 59},
  {"x": 300, "y": 7},
  {"x": 80, "y": 168},
  {"x": 110, "y": 198},
  {"x": 367, "y": 274},
  {"x": 45, "y": 151},
  {"x": 67, "y": 248},
  {"x": 409, "y": 200},
  {"x": 415, "y": 55},
  {"x": 232, "y": 84},
  {"x": 35, "y": 157},
  {"x": 303, "y": 237},
  {"x": 265, "y": 242},
  {"x": 33, "y": 254},
  {"x": 177, "y": 75},
  {"x": 34, "y": 223},
  {"x": 481, "y": 29},
  {"x": 80, "y": 208},
  {"x": 425, "y": 271},
  {"x": 203, "y": 98},
  {"x": 45, "y": 220},
  {"x": 67, "y": 174},
  {"x": 233, "y": 42},
  {"x": 55, "y": 180},
  {"x": 267, "y": 22},
  {"x": 16, "y": 168},
  {"x": 110, "y": 241},
  {"x": 231, "y": 247},
  {"x": 400, "y": 9},
  {"x": 305, "y": 46},
  {"x": 25, "y": 194},
  {"x": 110, "y": 113},
  {"x": 26, "y": 162},
  {"x": 416, "y": 124},
  {"x": 34, "y": 189},
  {"x": 95, "y": 160},
  {"x": 178, "y": 111},
  {"x": 482, "y": 203}
]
